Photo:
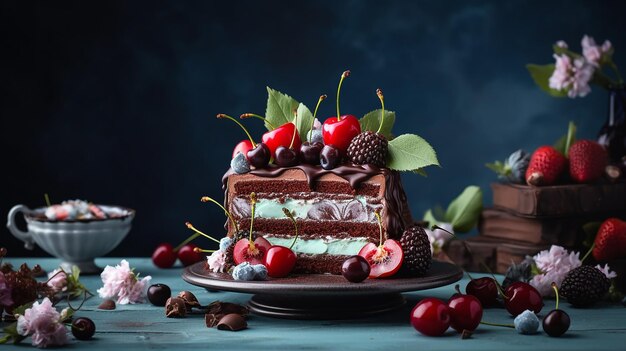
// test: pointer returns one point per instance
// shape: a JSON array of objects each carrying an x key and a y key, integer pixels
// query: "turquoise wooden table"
[{"x": 144, "y": 326}]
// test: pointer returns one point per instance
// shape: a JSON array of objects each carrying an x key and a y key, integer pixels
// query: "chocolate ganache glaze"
[{"x": 398, "y": 213}]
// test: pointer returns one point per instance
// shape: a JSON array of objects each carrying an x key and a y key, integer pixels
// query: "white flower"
[
  {"x": 438, "y": 238},
  {"x": 121, "y": 282},
  {"x": 554, "y": 265},
  {"x": 572, "y": 76},
  {"x": 592, "y": 52},
  {"x": 607, "y": 271},
  {"x": 43, "y": 324},
  {"x": 217, "y": 261}
]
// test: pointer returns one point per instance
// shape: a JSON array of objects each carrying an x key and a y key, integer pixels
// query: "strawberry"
[
  {"x": 610, "y": 241},
  {"x": 587, "y": 161},
  {"x": 545, "y": 167}
]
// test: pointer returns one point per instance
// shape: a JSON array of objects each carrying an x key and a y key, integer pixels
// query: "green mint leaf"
[
  {"x": 541, "y": 75},
  {"x": 371, "y": 121},
  {"x": 305, "y": 119},
  {"x": 464, "y": 211},
  {"x": 409, "y": 152},
  {"x": 280, "y": 108},
  {"x": 499, "y": 168}
]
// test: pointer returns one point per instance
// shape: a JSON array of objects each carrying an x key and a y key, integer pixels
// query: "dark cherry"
[
  {"x": 330, "y": 157},
  {"x": 286, "y": 157},
  {"x": 466, "y": 311},
  {"x": 520, "y": 296},
  {"x": 188, "y": 255},
  {"x": 556, "y": 323},
  {"x": 83, "y": 328},
  {"x": 310, "y": 153},
  {"x": 431, "y": 317},
  {"x": 355, "y": 269},
  {"x": 164, "y": 256},
  {"x": 259, "y": 156},
  {"x": 158, "y": 294},
  {"x": 484, "y": 289}
]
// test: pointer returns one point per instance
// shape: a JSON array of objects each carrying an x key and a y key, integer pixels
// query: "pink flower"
[
  {"x": 5, "y": 292},
  {"x": 439, "y": 237},
  {"x": 121, "y": 282},
  {"x": 561, "y": 44},
  {"x": 42, "y": 322},
  {"x": 554, "y": 265},
  {"x": 594, "y": 53},
  {"x": 317, "y": 125},
  {"x": 57, "y": 280},
  {"x": 607, "y": 271},
  {"x": 217, "y": 261},
  {"x": 571, "y": 76}
]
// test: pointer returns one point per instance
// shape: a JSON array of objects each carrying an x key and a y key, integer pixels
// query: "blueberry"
[
  {"x": 527, "y": 322},
  {"x": 225, "y": 242},
  {"x": 315, "y": 136},
  {"x": 260, "y": 272},
  {"x": 243, "y": 271},
  {"x": 240, "y": 164}
]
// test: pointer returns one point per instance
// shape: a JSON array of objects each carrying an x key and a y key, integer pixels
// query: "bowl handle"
[{"x": 20, "y": 234}]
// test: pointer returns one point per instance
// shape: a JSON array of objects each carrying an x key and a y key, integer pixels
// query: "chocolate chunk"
[
  {"x": 232, "y": 322},
  {"x": 190, "y": 299},
  {"x": 212, "y": 320},
  {"x": 223, "y": 308},
  {"x": 107, "y": 304},
  {"x": 175, "y": 308}
]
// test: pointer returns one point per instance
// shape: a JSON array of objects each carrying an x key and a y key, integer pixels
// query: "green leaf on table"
[
  {"x": 464, "y": 211},
  {"x": 409, "y": 152},
  {"x": 280, "y": 108},
  {"x": 371, "y": 121},
  {"x": 541, "y": 75},
  {"x": 305, "y": 119}
]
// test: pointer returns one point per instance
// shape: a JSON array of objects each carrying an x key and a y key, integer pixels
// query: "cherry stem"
[
  {"x": 197, "y": 249},
  {"x": 319, "y": 101},
  {"x": 458, "y": 289},
  {"x": 295, "y": 225},
  {"x": 221, "y": 115},
  {"x": 252, "y": 207},
  {"x": 208, "y": 199},
  {"x": 588, "y": 253},
  {"x": 295, "y": 128},
  {"x": 344, "y": 75},
  {"x": 190, "y": 226},
  {"x": 380, "y": 226},
  {"x": 498, "y": 324},
  {"x": 379, "y": 93},
  {"x": 556, "y": 291},
  {"x": 571, "y": 130},
  {"x": 249, "y": 115},
  {"x": 81, "y": 303},
  {"x": 47, "y": 198},
  {"x": 186, "y": 241}
]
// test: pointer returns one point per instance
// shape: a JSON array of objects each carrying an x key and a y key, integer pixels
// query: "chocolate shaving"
[
  {"x": 224, "y": 308},
  {"x": 175, "y": 308},
  {"x": 107, "y": 305},
  {"x": 466, "y": 334},
  {"x": 190, "y": 299},
  {"x": 232, "y": 322},
  {"x": 212, "y": 320}
]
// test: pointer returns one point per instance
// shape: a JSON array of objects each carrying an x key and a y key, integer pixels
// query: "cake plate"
[{"x": 323, "y": 296}]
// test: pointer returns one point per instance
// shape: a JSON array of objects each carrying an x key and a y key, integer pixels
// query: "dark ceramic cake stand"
[{"x": 323, "y": 296}]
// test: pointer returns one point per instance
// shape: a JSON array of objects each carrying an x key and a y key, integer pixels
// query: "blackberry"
[
  {"x": 368, "y": 148},
  {"x": 584, "y": 285},
  {"x": 416, "y": 249}
]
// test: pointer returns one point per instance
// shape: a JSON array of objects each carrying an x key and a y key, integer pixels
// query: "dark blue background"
[{"x": 114, "y": 102}]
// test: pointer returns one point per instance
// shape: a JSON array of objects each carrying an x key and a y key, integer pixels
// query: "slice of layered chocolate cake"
[{"x": 335, "y": 209}]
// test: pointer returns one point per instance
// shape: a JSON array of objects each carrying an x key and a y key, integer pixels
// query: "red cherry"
[
  {"x": 244, "y": 146},
  {"x": 188, "y": 256},
  {"x": 242, "y": 253},
  {"x": 431, "y": 317},
  {"x": 484, "y": 289},
  {"x": 519, "y": 297},
  {"x": 385, "y": 260},
  {"x": 466, "y": 311},
  {"x": 164, "y": 256},
  {"x": 340, "y": 132},
  {"x": 279, "y": 261},
  {"x": 281, "y": 136}
]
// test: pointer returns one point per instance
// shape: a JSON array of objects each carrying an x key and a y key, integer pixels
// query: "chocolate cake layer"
[
  {"x": 319, "y": 263},
  {"x": 560, "y": 200},
  {"x": 313, "y": 229}
]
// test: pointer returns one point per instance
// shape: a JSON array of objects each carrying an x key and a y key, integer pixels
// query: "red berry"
[
  {"x": 244, "y": 146},
  {"x": 466, "y": 311},
  {"x": 339, "y": 132},
  {"x": 545, "y": 167},
  {"x": 188, "y": 256},
  {"x": 431, "y": 317},
  {"x": 279, "y": 261},
  {"x": 610, "y": 242},
  {"x": 587, "y": 161},
  {"x": 242, "y": 253},
  {"x": 355, "y": 269},
  {"x": 281, "y": 136},
  {"x": 384, "y": 260},
  {"x": 520, "y": 297},
  {"x": 484, "y": 289},
  {"x": 164, "y": 256}
]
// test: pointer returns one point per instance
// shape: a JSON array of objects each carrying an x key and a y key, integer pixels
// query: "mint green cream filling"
[
  {"x": 330, "y": 246},
  {"x": 272, "y": 208}
]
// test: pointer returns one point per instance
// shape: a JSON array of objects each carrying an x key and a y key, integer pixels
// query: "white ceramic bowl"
[{"x": 75, "y": 242}]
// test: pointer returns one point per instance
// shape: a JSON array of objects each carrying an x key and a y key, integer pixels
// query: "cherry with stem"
[
  {"x": 288, "y": 156},
  {"x": 281, "y": 260},
  {"x": 260, "y": 154},
  {"x": 310, "y": 151}
]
